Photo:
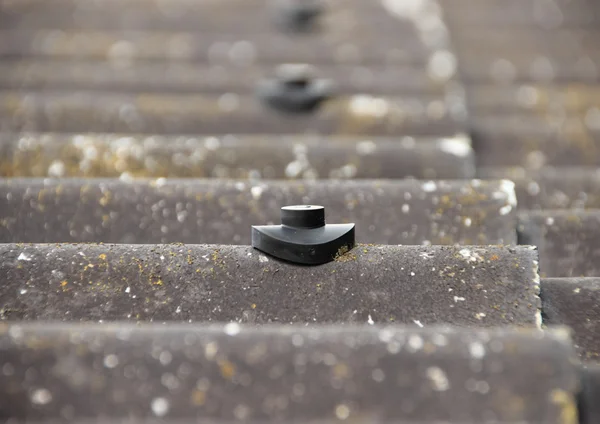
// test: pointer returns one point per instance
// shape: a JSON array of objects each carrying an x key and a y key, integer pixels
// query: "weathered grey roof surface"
[
  {"x": 464, "y": 286},
  {"x": 575, "y": 302},
  {"x": 244, "y": 156},
  {"x": 568, "y": 241},
  {"x": 222, "y": 211},
  {"x": 282, "y": 374}
]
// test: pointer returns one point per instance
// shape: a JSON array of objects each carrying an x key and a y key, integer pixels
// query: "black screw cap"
[
  {"x": 303, "y": 237},
  {"x": 294, "y": 89},
  {"x": 298, "y": 15}
]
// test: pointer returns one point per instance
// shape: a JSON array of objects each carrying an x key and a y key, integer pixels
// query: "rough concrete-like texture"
[
  {"x": 574, "y": 97},
  {"x": 228, "y": 113},
  {"x": 568, "y": 240},
  {"x": 183, "y": 77},
  {"x": 338, "y": 18},
  {"x": 222, "y": 211},
  {"x": 589, "y": 399},
  {"x": 534, "y": 142},
  {"x": 354, "y": 32},
  {"x": 231, "y": 373},
  {"x": 575, "y": 302},
  {"x": 193, "y": 156},
  {"x": 464, "y": 286},
  {"x": 263, "y": 47},
  {"x": 551, "y": 188},
  {"x": 522, "y": 14}
]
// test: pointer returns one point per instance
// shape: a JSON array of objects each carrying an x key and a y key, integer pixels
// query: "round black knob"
[
  {"x": 303, "y": 237},
  {"x": 294, "y": 89},
  {"x": 303, "y": 216},
  {"x": 298, "y": 15}
]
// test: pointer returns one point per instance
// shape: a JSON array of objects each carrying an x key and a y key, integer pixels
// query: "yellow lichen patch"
[
  {"x": 102, "y": 256},
  {"x": 63, "y": 283},
  {"x": 227, "y": 368},
  {"x": 105, "y": 199},
  {"x": 344, "y": 255},
  {"x": 253, "y": 306},
  {"x": 158, "y": 282},
  {"x": 341, "y": 371},
  {"x": 566, "y": 403},
  {"x": 198, "y": 397}
]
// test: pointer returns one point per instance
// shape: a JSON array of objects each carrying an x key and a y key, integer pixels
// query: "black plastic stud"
[
  {"x": 303, "y": 237},
  {"x": 298, "y": 15},
  {"x": 294, "y": 89}
]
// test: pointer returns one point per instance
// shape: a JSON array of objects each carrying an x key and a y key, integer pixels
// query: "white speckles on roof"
[
  {"x": 41, "y": 396},
  {"x": 438, "y": 379},
  {"x": 405, "y": 9},
  {"x": 386, "y": 335},
  {"x": 441, "y": 66},
  {"x": 476, "y": 350},
  {"x": 458, "y": 299},
  {"x": 508, "y": 188},
  {"x": 256, "y": 192},
  {"x": 56, "y": 169},
  {"x": 439, "y": 340},
  {"x": 455, "y": 146},
  {"x": 415, "y": 342},
  {"x": 366, "y": 147},
  {"x": 111, "y": 361},
  {"x": 370, "y": 320},
  {"x": 369, "y": 106},
  {"x": 24, "y": 257},
  {"x": 429, "y": 186},
  {"x": 212, "y": 143},
  {"x": 126, "y": 177},
  {"x": 342, "y": 411},
  {"x": 165, "y": 357},
  {"x": 505, "y": 210},
  {"x": 160, "y": 406},
  {"x": 469, "y": 255},
  {"x": 263, "y": 258},
  {"x": 232, "y": 329},
  {"x": 417, "y": 322},
  {"x": 293, "y": 169}
]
